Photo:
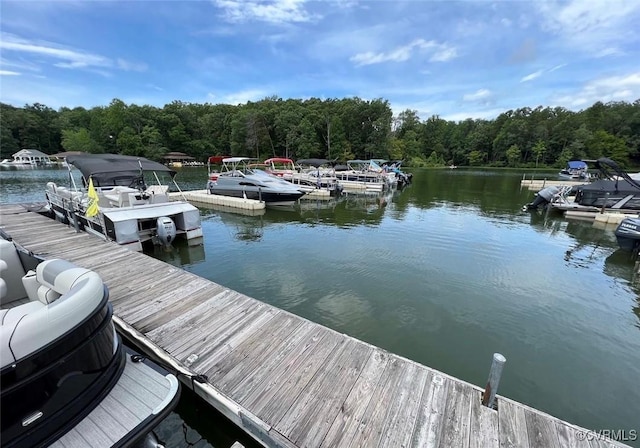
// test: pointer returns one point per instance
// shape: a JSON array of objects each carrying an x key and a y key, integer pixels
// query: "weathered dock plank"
[
  {"x": 512, "y": 425},
  {"x": 431, "y": 412},
  {"x": 287, "y": 381},
  {"x": 352, "y": 410},
  {"x": 309, "y": 418},
  {"x": 484, "y": 424}
]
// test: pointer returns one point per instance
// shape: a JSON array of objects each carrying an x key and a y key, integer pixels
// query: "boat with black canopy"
[
  {"x": 614, "y": 190},
  {"x": 115, "y": 201}
]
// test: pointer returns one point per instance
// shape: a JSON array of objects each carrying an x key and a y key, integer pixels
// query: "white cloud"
[
  {"x": 487, "y": 114},
  {"x": 20, "y": 64},
  {"x": 442, "y": 52},
  {"x": 479, "y": 95},
  {"x": 591, "y": 26},
  {"x": 275, "y": 11},
  {"x": 131, "y": 66},
  {"x": 445, "y": 53},
  {"x": 532, "y": 76},
  {"x": 612, "y": 88},
  {"x": 67, "y": 57},
  {"x": 8, "y": 73},
  {"x": 72, "y": 58},
  {"x": 240, "y": 97}
]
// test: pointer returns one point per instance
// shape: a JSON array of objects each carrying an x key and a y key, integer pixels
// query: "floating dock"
[
  {"x": 539, "y": 184},
  {"x": 287, "y": 381},
  {"x": 606, "y": 218},
  {"x": 204, "y": 197}
]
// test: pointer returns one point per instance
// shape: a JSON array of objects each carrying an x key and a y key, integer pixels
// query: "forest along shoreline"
[{"x": 348, "y": 128}]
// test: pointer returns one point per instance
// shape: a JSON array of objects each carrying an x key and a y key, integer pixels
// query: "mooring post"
[
  {"x": 604, "y": 204},
  {"x": 490, "y": 391}
]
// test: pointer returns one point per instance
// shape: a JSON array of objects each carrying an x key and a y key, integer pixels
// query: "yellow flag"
[{"x": 92, "y": 209}]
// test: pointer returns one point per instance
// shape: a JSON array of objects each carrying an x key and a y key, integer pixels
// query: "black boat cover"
[{"x": 111, "y": 169}]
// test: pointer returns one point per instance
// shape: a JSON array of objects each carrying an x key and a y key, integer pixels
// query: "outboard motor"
[
  {"x": 543, "y": 197},
  {"x": 628, "y": 234},
  {"x": 165, "y": 231}
]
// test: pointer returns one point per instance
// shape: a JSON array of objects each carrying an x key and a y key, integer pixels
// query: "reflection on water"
[
  {"x": 447, "y": 272},
  {"x": 179, "y": 254}
]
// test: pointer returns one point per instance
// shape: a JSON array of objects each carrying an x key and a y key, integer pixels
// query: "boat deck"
[
  {"x": 285, "y": 380},
  {"x": 139, "y": 391}
]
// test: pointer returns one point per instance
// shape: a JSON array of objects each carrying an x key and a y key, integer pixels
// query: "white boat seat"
[
  {"x": 57, "y": 277},
  {"x": 120, "y": 196},
  {"x": 11, "y": 273},
  {"x": 3, "y": 284},
  {"x": 66, "y": 296},
  {"x": 9, "y": 320}
]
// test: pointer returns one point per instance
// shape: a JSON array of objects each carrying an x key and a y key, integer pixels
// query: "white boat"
[
  {"x": 575, "y": 170},
  {"x": 313, "y": 176},
  {"x": 67, "y": 380},
  {"x": 363, "y": 175},
  {"x": 240, "y": 180},
  {"x": 117, "y": 204}
]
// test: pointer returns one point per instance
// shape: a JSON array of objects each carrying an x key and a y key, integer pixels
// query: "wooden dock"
[{"x": 285, "y": 380}]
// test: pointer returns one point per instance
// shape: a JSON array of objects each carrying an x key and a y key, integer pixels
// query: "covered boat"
[
  {"x": 363, "y": 175},
  {"x": 575, "y": 170},
  {"x": 315, "y": 175},
  {"x": 239, "y": 180},
  {"x": 615, "y": 190},
  {"x": 116, "y": 203},
  {"x": 64, "y": 370}
]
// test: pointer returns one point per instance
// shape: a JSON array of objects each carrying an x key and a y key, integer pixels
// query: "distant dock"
[{"x": 287, "y": 381}]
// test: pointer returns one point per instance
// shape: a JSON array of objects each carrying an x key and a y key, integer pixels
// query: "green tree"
[
  {"x": 610, "y": 146},
  {"x": 477, "y": 158},
  {"x": 539, "y": 150},
  {"x": 79, "y": 140},
  {"x": 513, "y": 155}
]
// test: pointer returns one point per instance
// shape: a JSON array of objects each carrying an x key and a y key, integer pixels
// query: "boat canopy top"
[
  {"x": 111, "y": 169},
  {"x": 237, "y": 159},
  {"x": 217, "y": 160},
  {"x": 278, "y": 160},
  {"x": 315, "y": 162},
  {"x": 576, "y": 165}
]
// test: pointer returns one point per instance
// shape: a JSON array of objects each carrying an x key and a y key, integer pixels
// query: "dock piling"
[
  {"x": 604, "y": 204},
  {"x": 489, "y": 395}
]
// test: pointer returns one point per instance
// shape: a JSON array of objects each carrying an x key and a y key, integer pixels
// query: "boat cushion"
[
  {"x": 31, "y": 326},
  {"x": 10, "y": 319},
  {"x": 59, "y": 276},
  {"x": 47, "y": 295},
  {"x": 12, "y": 272},
  {"x": 3, "y": 284}
]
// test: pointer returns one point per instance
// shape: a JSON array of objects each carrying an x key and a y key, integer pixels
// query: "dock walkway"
[{"x": 285, "y": 380}]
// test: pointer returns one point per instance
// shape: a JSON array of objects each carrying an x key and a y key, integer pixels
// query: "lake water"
[{"x": 446, "y": 272}]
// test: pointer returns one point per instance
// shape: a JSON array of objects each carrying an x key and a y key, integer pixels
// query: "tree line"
[{"x": 341, "y": 129}]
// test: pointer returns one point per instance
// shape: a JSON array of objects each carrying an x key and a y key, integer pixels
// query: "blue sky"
[{"x": 455, "y": 59}]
